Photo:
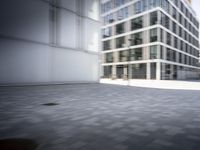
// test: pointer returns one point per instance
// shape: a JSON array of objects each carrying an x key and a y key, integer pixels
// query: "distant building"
[
  {"x": 49, "y": 41},
  {"x": 150, "y": 39}
]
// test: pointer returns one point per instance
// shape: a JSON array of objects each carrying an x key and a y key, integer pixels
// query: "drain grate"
[
  {"x": 17, "y": 144},
  {"x": 50, "y": 104}
]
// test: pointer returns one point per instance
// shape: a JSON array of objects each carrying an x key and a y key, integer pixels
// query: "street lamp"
[{"x": 129, "y": 59}]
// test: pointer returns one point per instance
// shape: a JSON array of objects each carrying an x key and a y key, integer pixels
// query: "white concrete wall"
[{"x": 27, "y": 55}]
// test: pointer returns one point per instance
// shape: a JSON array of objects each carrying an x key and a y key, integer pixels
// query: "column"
[
  {"x": 171, "y": 72},
  {"x": 114, "y": 72},
  {"x": 148, "y": 71},
  {"x": 163, "y": 71},
  {"x": 130, "y": 71},
  {"x": 158, "y": 71},
  {"x": 125, "y": 72}
]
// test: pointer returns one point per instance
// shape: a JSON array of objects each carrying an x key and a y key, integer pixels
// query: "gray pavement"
[{"x": 101, "y": 117}]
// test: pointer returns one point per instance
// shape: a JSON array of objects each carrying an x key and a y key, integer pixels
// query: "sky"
[{"x": 196, "y": 7}]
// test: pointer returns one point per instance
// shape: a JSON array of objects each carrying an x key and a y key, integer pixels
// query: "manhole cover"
[
  {"x": 17, "y": 144},
  {"x": 50, "y": 104}
]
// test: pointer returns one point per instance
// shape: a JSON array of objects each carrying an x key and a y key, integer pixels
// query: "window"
[
  {"x": 138, "y": 71},
  {"x": 185, "y": 24},
  {"x": 107, "y": 71},
  {"x": 126, "y": 12},
  {"x": 107, "y": 32},
  {"x": 137, "y": 39},
  {"x": 119, "y": 3},
  {"x": 145, "y": 4},
  {"x": 106, "y": 6},
  {"x": 180, "y": 31},
  {"x": 168, "y": 39},
  {"x": 181, "y": 6},
  {"x": 174, "y": 13},
  {"x": 120, "y": 28},
  {"x": 120, "y": 42},
  {"x": 120, "y": 71},
  {"x": 150, "y": 4},
  {"x": 153, "y": 35},
  {"x": 106, "y": 45},
  {"x": 153, "y": 70},
  {"x": 162, "y": 19},
  {"x": 137, "y": 23},
  {"x": 175, "y": 42},
  {"x": 186, "y": 47},
  {"x": 156, "y": 3},
  {"x": 186, "y": 36},
  {"x": 165, "y": 5},
  {"x": 176, "y": 2},
  {"x": 180, "y": 18},
  {"x": 136, "y": 54},
  {"x": 180, "y": 58},
  {"x": 167, "y": 22},
  {"x": 185, "y": 59},
  {"x": 123, "y": 56},
  {"x": 122, "y": 13},
  {"x": 138, "y": 7},
  {"x": 161, "y": 35},
  {"x": 171, "y": 55},
  {"x": 153, "y": 18},
  {"x": 110, "y": 18},
  {"x": 174, "y": 27},
  {"x": 153, "y": 52},
  {"x": 109, "y": 57},
  {"x": 161, "y": 52},
  {"x": 181, "y": 45}
]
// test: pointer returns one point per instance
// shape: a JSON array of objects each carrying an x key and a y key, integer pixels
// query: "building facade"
[
  {"x": 49, "y": 41},
  {"x": 150, "y": 39}
]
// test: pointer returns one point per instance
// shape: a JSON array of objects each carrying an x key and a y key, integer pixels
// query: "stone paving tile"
[{"x": 101, "y": 117}]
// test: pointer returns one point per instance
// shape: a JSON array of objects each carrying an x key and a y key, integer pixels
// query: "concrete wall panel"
[
  {"x": 42, "y": 46},
  {"x": 67, "y": 29},
  {"x": 26, "y": 19}
]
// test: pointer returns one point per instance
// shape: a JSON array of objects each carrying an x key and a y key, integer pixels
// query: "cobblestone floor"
[{"x": 101, "y": 117}]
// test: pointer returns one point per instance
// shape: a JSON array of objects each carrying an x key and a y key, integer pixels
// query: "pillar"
[
  {"x": 158, "y": 71},
  {"x": 148, "y": 71},
  {"x": 125, "y": 72},
  {"x": 114, "y": 72}
]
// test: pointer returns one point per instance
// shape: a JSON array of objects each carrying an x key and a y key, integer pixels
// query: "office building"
[{"x": 150, "y": 39}]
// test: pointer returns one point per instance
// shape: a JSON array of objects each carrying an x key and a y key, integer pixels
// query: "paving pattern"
[{"x": 101, "y": 117}]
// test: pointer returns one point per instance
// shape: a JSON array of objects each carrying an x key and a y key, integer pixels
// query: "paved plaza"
[{"x": 101, "y": 117}]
